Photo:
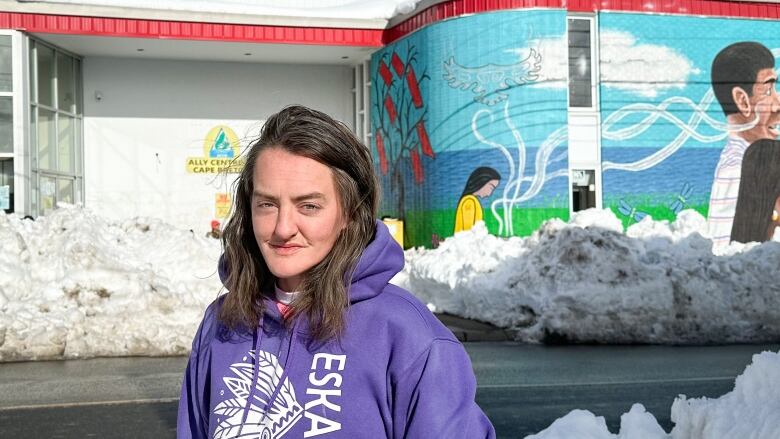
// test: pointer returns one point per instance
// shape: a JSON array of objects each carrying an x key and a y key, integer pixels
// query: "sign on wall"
[
  {"x": 221, "y": 150},
  {"x": 222, "y": 205}
]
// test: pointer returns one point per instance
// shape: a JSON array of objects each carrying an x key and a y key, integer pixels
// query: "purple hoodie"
[{"x": 397, "y": 372}]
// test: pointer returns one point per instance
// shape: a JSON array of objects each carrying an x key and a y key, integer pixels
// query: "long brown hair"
[
  {"x": 324, "y": 289},
  {"x": 759, "y": 188}
]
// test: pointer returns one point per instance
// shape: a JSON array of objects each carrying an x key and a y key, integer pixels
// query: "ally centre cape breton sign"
[{"x": 221, "y": 151}]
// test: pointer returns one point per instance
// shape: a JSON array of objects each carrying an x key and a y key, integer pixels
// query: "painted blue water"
[
  {"x": 446, "y": 175},
  {"x": 694, "y": 166}
]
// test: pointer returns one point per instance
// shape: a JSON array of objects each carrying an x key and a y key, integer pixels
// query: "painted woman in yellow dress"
[{"x": 481, "y": 183}]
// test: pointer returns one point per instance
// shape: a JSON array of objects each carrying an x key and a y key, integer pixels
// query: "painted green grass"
[
  {"x": 658, "y": 212},
  {"x": 422, "y": 228}
]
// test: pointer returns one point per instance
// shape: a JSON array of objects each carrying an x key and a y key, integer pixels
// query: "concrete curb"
[{"x": 472, "y": 330}]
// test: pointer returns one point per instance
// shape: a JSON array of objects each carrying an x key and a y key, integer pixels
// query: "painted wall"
[
  {"x": 663, "y": 130},
  {"x": 154, "y": 115},
  {"x": 480, "y": 98}
]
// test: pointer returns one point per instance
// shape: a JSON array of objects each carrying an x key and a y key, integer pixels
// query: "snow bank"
[
  {"x": 749, "y": 411},
  {"x": 73, "y": 284},
  {"x": 588, "y": 281}
]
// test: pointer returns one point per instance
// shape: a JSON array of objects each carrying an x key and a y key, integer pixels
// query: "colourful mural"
[
  {"x": 682, "y": 98},
  {"x": 465, "y": 95},
  {"x": 399, "y": 128}
]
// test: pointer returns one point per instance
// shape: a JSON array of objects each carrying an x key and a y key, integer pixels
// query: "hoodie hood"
[{"x": 382, "y": 259}]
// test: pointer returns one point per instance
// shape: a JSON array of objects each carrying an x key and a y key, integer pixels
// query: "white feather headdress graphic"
[{"x": 260, "y": 423}]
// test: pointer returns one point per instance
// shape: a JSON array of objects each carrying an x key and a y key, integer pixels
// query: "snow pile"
[
  {"x": 353, "y": 9},
  {"x": 587, "y": 281},
  {"x": 73, "y": 284},
  {"x": 749, "y": 411}
]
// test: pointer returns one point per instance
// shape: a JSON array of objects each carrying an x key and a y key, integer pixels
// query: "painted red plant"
[
  {"x": 380, "y": 148},
  {"x": 417, "y": 168},
  {"x": 384, "y": 72},
  {"x": 425, "y": 142},
  {"x": 414, "y": 88},
  {"x": 398, "y": 113},
  {"x": 398, "y": 65},
  {"x": 390, "y": 106}
]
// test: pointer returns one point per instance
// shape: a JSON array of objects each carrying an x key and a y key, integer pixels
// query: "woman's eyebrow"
[{"x": 310, "y": 196}]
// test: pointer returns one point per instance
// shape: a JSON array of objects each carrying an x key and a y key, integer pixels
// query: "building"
[{"x": 513, "y": 111}]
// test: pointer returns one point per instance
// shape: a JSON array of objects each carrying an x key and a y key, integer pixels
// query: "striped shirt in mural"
[{"x": 725, "y": 188}]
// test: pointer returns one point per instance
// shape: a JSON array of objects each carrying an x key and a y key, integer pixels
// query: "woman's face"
[
  {"x": 296, "y": 216},
  {"x": 487, "y": 190}
]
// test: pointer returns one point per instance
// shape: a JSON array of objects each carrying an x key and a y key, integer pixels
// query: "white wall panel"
[{"x": 154, "y": 114}]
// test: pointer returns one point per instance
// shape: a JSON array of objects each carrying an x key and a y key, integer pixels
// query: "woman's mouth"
[{"x": 285, "y": 249}]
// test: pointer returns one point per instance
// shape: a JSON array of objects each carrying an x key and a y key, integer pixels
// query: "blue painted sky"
[{"x": 667, "y": 46}]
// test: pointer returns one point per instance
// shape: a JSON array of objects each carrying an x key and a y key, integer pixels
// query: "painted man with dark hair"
[{"x": 743, "y": 79}]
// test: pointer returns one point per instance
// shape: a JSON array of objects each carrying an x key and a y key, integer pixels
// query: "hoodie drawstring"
[
  {"x": 257, "y": 336},
  {"x": 288, "y": 358}
]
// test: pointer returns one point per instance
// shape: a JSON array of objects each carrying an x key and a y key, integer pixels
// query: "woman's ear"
[
  {"x": 742, "y": 101},
  {"x": 770, "y": 233},
  {"x": 776, "y": 211}
]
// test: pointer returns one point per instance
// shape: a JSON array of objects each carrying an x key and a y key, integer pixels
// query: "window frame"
[
  {"x": 594, "y": 64},
  {"x": 76, "y": 175}
]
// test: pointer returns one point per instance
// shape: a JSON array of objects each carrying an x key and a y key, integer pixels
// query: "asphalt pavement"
[{"x": 522, "y": 388}]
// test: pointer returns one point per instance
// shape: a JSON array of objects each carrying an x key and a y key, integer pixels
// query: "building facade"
[{"x": 510, "y": 112}]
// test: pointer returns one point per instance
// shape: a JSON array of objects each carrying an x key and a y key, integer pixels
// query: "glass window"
[
  {"x": 46, "y": 139},
  {"x": 78, "y": 88},
  {"x": 66, "y": 144},
  {"x": 55, "y": 128},
  {"x": 580, "y": 85},
  {"x": 34, "y": 194},
  {"x": 65, "y": 190},
  {"x": 77, "y": 146},
  {"x": 77, "y": 191},
  {"x": 6, "y": 67},
  {"x": 45, "y": 75},
  {"x": 66, "y": 85},
  {"x": 6, "y": 124},
  {"x": 48, "y": 187},
  {"x": 7, "y": 185}
]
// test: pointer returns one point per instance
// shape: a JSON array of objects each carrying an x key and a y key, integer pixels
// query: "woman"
[
  {"x": 481, "y": 183},
  {"x": 758, "y": 204},
  {"x": 311, "y": 340}
]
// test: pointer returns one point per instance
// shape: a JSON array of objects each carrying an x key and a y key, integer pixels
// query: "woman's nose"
[{"x": 285, "y": 224}]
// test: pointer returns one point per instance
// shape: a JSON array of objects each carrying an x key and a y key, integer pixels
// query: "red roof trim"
[
  {"x": 159, "y": 29},
  {"x": 137, "y": 28},
  {"x": 455, "y": 8}
]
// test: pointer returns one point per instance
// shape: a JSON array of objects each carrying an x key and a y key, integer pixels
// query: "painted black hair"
[
  {"x": 759, "y": 188},
  {"x": 738, "y": 65},
  {"x": 478, "y": 178}
]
